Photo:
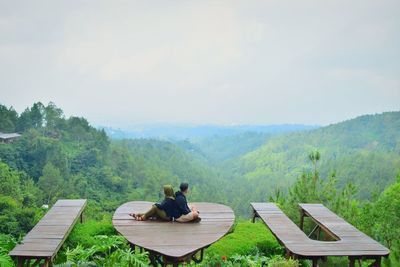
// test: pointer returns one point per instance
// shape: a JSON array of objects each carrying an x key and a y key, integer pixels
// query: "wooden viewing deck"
[
  {"x": 347, "y": 240},
  {"x": 42, "y": 243},
  {"x": 173, "y": 242}
]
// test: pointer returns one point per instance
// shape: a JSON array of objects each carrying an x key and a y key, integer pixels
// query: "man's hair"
[{"x": 183, "y": 187}]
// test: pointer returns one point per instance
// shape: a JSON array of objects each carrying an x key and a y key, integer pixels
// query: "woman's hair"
[
  {"x": 169, "y": 191},
  {"x": 183, "y": 187}
]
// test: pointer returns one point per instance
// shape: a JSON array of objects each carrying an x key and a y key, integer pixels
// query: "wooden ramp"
[
  {"x": 42, "y": 243},
  {"x": 347, "y": 240},
  {"x": 173, "y": 242}
]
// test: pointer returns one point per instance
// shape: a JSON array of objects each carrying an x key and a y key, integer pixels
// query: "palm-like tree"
[{"x": 315, "y": 157}]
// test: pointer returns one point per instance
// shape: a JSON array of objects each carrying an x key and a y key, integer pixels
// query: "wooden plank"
[
  {"x": 349, "y": 235},
  {"x": 174, "y": 239},
  {"x": 47, "y": 236},
  {"x": 42, "y": 240},
  {"x": 37, "y": 246},
  {"x": 351, "y": 242},
  {"x": 31, "y": 253},
  {"x": 131, "y": 222},
  {"x": 51, "y": 229},
  {"x": 71, "y": 202}
]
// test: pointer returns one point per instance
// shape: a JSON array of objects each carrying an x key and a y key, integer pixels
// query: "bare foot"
[{"x": 140, "y": 218}]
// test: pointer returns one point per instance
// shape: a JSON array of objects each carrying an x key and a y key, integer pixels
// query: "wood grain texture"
[
  {"x": 350, "y": 241},
  {"x": 48, "y": 235},
  {"x": 174, "y": 239}
]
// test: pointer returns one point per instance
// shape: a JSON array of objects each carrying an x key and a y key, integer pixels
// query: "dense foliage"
[
  {"x": 353, "y": 173},
  {"x": 364, "y": 151}
]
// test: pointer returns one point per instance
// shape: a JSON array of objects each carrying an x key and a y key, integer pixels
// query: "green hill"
[
  {"x": 59, "y": 157},
  {"x": 70, "y": 158},
  {"x": 364, "y": 151}
]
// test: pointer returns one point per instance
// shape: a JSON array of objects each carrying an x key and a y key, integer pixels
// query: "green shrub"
[
  {"x": 245, "y": 239},
  {"x": 279, "y": 261},
  {"x": 247, "y": 261},
  {"x": 7, "y": 243},
  {"x": 85, "y": 233},
  {"x": 106, "y": 251}
]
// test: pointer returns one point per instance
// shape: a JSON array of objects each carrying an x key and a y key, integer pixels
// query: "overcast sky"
[{"x": 119, "y": 63}]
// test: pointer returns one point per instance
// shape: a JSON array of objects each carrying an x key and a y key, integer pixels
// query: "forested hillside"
[
  {"x": 364, "y": 151},
  {"x": 58, "y": 157},
  {"x": 218, "y": 149}
]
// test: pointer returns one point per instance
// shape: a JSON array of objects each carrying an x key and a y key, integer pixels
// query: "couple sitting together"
[{"x": 174, "y": 207}]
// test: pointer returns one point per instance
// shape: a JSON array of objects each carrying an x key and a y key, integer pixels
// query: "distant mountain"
[
  {"x": 364, "y": 151},
  {"x": 193, "y": 132},
  {"x": 217, "y": 149}
]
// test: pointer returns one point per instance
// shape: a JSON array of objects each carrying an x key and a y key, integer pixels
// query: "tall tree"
[
  {"x": 315, "y": 157},
  {"x": 9, "y": 181},
  {"x": 50, "y": 182},
  {"x": 52, "y": 115},
  {"x": 37, "y": 115},
  {"x": 24, "y": 121},
  {"x": 8, "y": 119}
]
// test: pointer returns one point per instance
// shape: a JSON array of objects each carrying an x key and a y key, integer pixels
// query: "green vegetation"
[
  {"x": 384, "y": 212},
  {"x": 246, "y": 237},
  {"x": 252, "y": 260},
  {"x": 352, "y": 169},
  {"x": 223, "y": 148},
  {"x": 106, "y": 251},
  {"x": 7, "y": 242},
  {"x": 364, "y": 151}
]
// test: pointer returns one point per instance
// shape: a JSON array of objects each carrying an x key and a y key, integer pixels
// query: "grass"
[
  {"x": 246, "y": 238},
  {"x": 84, "y": 233}
]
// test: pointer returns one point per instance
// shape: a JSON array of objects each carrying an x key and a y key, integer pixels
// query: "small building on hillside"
[{"x": 8, "y": 137}]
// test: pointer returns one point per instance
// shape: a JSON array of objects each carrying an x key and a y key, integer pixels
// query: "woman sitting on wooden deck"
[{"x": 167, "y": 210}]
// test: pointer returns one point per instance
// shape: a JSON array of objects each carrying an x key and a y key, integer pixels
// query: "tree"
[
  {"x": 37, "y": 115},
  {"x": 8, "y": 207},
  {"x": 52, "y": 115},
  {"x": 308, "y": 188},
  {"x": 31, "y": 118},
  {"x": 79, "y": 129},
  {"x": 24, "y": 121},
  {"x": 8, "y": 119},
  {"x": 51, "y": 181},
  {"x": 387, "y": 215},
  {"x": 315, "y": 157},
  {"x": 9, "y": 181}
]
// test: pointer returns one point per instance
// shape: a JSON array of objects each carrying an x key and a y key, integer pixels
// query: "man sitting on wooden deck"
[{"x": 188, "y": 214}]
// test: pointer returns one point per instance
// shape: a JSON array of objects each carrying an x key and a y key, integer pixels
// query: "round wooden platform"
[{"x": 173, "y": 239}]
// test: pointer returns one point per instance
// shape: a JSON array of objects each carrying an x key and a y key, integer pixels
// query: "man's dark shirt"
[{"x": 182, "y": 203}]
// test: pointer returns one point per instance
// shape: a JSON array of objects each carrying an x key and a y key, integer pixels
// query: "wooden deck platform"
[
  {"x": 347, "y": 240},
  {"x": 173, "y": 242},
  {"x": 45, "y": 239}
]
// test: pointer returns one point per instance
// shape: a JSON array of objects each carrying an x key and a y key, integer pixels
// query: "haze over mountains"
[
  {"x": 65, "y": 157},
  {"x": 233, "y": 165},
  {"x": 364, "y": 151},
  {"x": 182, "y": 131}
]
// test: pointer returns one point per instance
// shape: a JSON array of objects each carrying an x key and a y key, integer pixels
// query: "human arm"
[{"x": 182, "y": 205}]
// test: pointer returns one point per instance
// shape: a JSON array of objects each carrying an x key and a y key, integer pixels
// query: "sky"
[{"x": 120, "y": 63}]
